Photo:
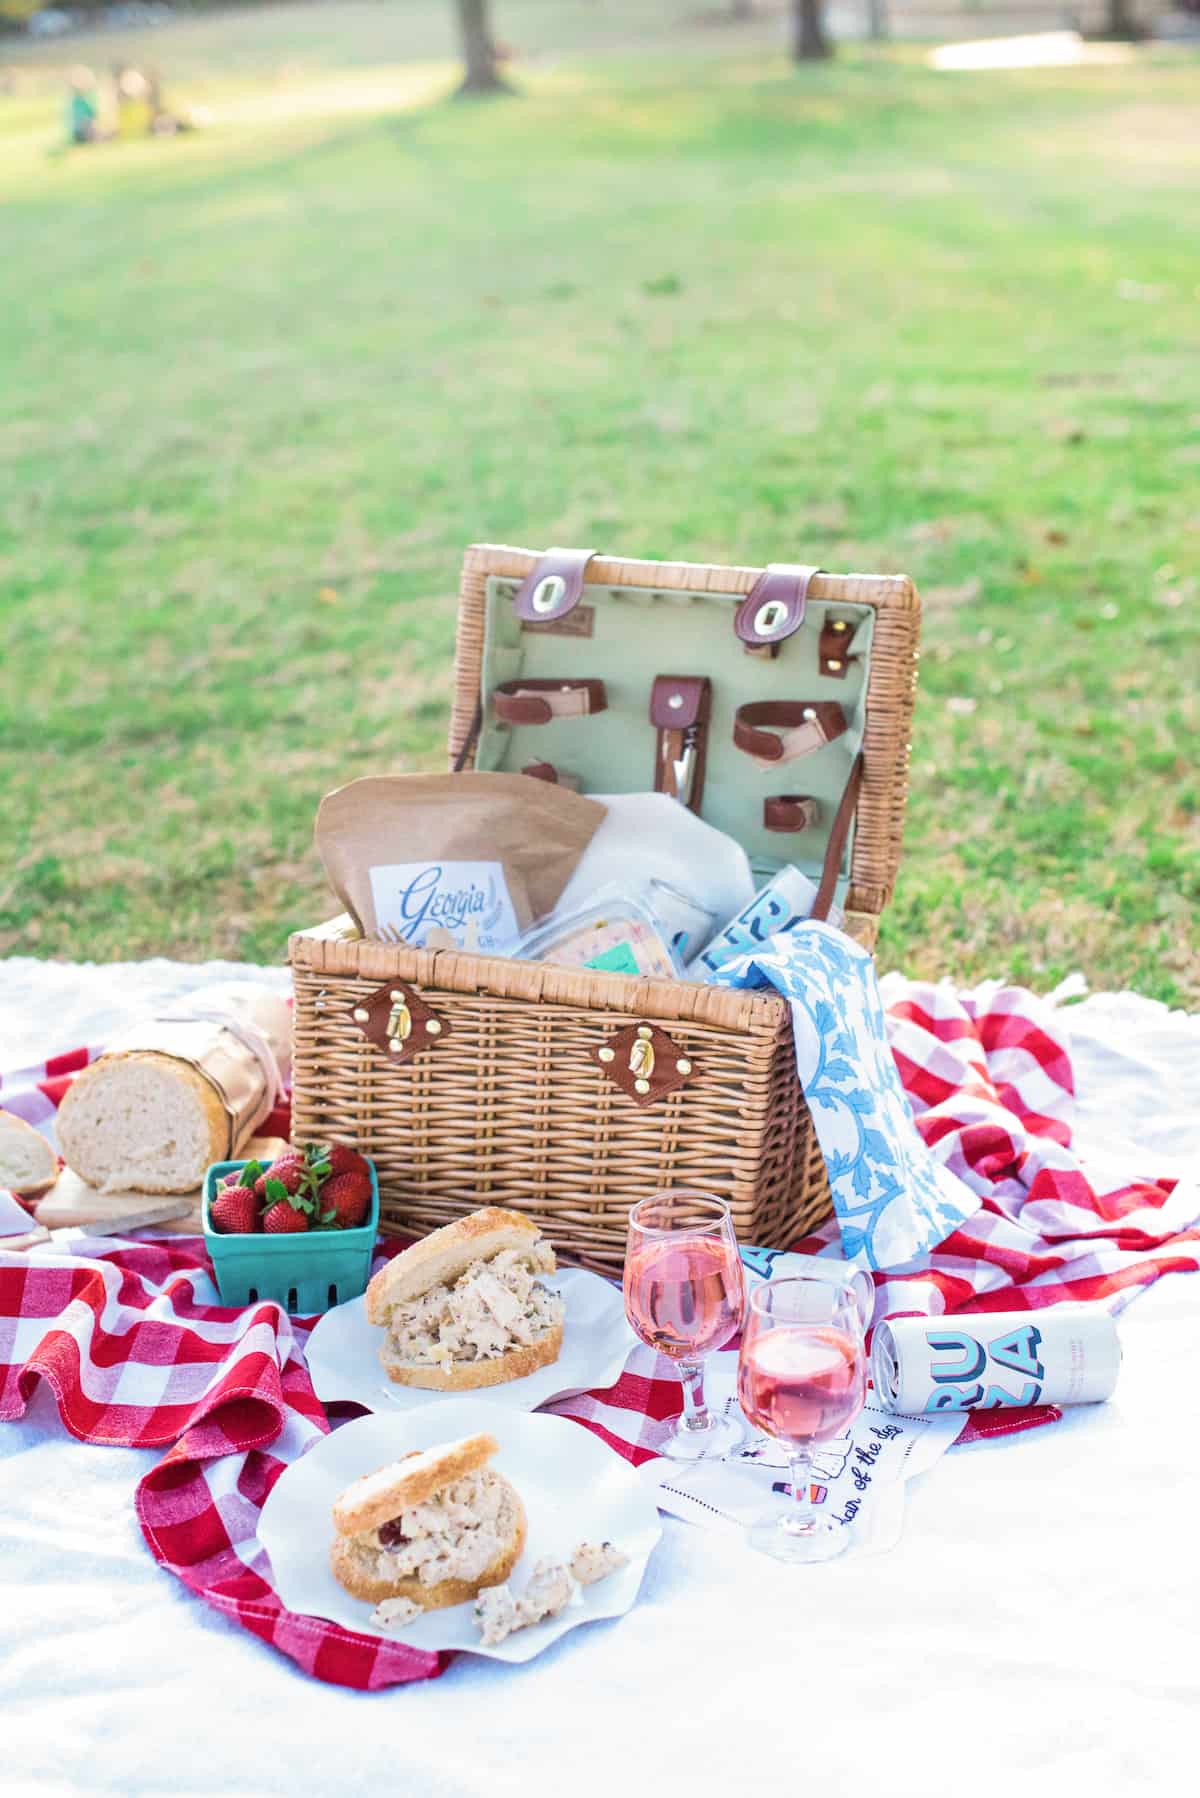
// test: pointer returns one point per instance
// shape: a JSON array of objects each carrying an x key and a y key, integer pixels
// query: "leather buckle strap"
[
  {"x": 774, "y": 607},
  {"x": 778, "y": 730},
  {"x": 680, "y": 707},
  {"x": 833, "y": 649},
  {"x": 791, "y": 811},
  {"x": 538, "y": 701},
  {"x": 553, "y": 587}
]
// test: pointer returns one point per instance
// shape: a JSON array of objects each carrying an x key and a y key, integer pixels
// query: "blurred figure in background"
[
  {"x": 83, "y": 107},
  {"x": 135, "y": 102},
  {"x": 140, "y": 109}
]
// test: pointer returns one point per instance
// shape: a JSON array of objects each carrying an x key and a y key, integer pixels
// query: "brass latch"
[
  {"x": 644, "y": 1062},
  {"x": 397, "y": 1020}
]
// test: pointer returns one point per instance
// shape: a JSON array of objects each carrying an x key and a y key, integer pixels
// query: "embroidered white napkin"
[{"x": 859, "y": 1478}]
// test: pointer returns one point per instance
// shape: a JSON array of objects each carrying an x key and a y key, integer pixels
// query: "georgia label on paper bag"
[
  {"x": 469, "y": 899},
  {"x": 1062, "y": 1355}
]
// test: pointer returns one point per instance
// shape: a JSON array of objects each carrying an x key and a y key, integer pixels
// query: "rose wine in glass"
[
  {"x": 684, "y": 1296},
  {"x": 802, "y": 1380}
]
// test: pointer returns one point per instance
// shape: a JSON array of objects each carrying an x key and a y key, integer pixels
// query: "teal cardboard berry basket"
[{"x": 305, "y": 1273}]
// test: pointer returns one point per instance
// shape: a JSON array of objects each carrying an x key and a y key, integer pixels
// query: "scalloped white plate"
[
  {"x": 343, "y": 1354},
  {"x": 573, "y": 1487}
]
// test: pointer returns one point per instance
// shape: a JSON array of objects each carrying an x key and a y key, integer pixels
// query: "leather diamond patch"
[
  {"x": 399, "y": 1022},
  {"x": 644, "y": 1062}
]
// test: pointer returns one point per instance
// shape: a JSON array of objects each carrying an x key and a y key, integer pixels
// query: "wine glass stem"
[
  {"x": 695, "y": 1411},
  {"x": 802, "y": 1516}
]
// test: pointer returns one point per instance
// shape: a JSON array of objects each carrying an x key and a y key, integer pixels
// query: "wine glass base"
[
  {"x": 771, "y": 1534},
  {"x": 723, "y": 1436}
]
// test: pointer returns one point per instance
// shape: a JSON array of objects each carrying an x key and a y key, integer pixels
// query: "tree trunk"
[
  {"x": 479, "y": 49},
  {"x": 809, "y": 43},
  {"x": 1120, "y": 19},
  {"x": 877, "y": 20},
  {"x": 741, "y": 9}
]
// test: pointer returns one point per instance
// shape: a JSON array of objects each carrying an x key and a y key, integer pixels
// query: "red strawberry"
[
  {"x": 348, "y": 1196},
  {"x": 343, "y": 1159},
  {"x": 289, "y": 1170},
  {"x": 235, "y": 1211},
  {"x": 284, "y": 1218}
]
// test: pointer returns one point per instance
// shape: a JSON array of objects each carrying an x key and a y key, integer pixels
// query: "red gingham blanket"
[{"x": 136, "y": 1352}]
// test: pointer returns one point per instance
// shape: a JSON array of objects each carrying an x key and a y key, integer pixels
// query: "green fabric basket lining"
[{"x": 638, "y": 633}]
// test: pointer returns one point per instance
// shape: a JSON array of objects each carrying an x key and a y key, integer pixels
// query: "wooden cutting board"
[{"x": 72, "y": 1201}]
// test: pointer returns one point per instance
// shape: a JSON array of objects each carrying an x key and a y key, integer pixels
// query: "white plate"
[
  {"x": 343, "y": 1354},
  {"x": 574, "y": 1489}
]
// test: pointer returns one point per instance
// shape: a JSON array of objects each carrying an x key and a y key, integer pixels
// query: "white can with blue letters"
[
  {"x": 787, "y": 899},
  {"x": 980, "y": 1361}
]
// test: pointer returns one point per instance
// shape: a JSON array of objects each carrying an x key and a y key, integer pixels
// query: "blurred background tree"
[
  {"x": 479, "y": 49},
  {"x": 809, "y": 40}
]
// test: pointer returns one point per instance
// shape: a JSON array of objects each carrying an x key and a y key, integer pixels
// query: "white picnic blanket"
[{"x": 1035, "y": 1625}]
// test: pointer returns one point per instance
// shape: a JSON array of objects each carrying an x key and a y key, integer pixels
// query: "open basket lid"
[{"x": 843, "y": 649}]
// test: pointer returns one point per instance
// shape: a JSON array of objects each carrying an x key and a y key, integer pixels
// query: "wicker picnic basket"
[{"x": 515, "y": 1098}]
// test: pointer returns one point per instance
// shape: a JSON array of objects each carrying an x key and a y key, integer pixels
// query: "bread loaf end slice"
[
  {"x": 27, "y": 1162},
  {"x": 142, "y": 1122}
]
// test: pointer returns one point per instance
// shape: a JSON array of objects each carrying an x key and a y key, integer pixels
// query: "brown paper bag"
[{"x": 479, "y": 855}]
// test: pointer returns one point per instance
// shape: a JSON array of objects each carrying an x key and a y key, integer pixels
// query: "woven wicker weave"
[{"x": 511, "y": 1106}]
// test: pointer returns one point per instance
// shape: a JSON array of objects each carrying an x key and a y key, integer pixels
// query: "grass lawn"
[{"x": 259, "y": 387}]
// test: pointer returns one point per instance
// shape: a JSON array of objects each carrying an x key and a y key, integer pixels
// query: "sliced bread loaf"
[{"x": 142, "y": 1122}]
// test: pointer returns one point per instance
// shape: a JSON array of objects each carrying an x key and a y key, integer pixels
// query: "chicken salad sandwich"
[
  {"x": 465, "y": 1308},
  {"x": 432, "y": 1529}
]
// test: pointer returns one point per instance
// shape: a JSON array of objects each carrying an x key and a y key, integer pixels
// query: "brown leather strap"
[
  {"x": 538, "y": 701},
  {"x": 680, "y": 707},
  {"x": 835, "y": 847},
  {"x": 806, "y": 724},
  {"x": 774, "y": 607},
  {"x": 553, "y": 587},
  {"x": 833, "y": 648},
  {"x": 790, "y": 811},
  {"x": 555, "y": 777},
  {"x": 678, "y": 701}
]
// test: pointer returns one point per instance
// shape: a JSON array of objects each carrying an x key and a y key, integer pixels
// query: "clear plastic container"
[{"x": 618, "y": 932}]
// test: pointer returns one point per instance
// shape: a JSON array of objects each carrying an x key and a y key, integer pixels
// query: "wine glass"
[
  {"x": 802, "y": 1376},
  {"x": 684, "y": 1295}
]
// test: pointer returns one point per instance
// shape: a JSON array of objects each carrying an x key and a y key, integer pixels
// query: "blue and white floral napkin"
[{"x": 893, "y": 1200}]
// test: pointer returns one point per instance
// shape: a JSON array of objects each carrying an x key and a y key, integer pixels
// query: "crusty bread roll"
[
  {"x": 439, "y": 1258},
  {"x": 423, "y": 1480},
  {"x": 469, "y": 1376},
  {"x": 375, "y": 1497},
  {"x": 142, "y": 1122},
  {"x": 27, "y": 1162}
]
